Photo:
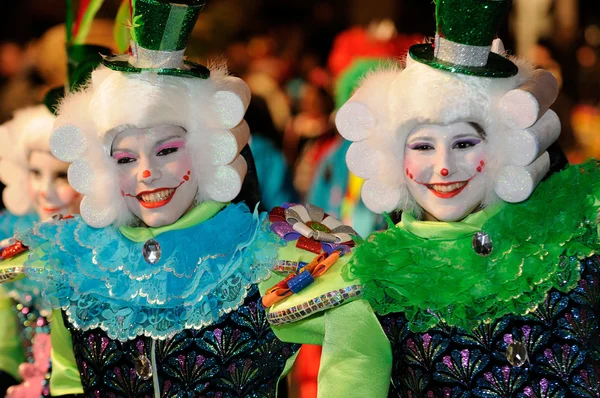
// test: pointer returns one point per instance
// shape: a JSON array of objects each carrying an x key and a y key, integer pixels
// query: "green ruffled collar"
[{"x": 431, "y": 273}]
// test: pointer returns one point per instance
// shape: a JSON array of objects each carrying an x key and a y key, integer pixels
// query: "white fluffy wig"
[
  {"x": 389, "y": 104},
  {"x": 28, "y": 130},
  {"x": 210, "y": 110}
]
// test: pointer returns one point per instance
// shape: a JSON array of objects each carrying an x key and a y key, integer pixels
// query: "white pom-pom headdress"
[
  {"x": 154, "y": 86},
  {"x": 510, "y": 102},
  {"x": 28, "y": 130}
]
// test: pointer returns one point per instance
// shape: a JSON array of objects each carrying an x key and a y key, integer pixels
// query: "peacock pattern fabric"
[
  {"x": 236, "y": 356},
  {"x": 554, "y": 350}
]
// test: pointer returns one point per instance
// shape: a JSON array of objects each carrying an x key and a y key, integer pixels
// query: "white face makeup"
[
  {"x": 155, "y": 173},
  {"x": 446, "y": 169},
  {"x": 48, "y": 186}
]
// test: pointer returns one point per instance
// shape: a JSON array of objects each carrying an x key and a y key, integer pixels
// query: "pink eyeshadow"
[
  {"x": 175, "y": 144},
  {"x": 121, "y": 155}
]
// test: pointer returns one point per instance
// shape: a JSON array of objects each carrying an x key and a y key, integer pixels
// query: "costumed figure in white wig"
[
  {"x": 488, "y": 286},
  {"x": 155, "y": 284},
  {"x": 36, "y": 190}
]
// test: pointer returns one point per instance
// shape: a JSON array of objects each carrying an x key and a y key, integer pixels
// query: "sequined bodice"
[
  {"x": 559, "y": 347},
  {"x": 238, "y": 356},
  {"x": 31, "y": 322},
  {"x": 38, "y": 368}
]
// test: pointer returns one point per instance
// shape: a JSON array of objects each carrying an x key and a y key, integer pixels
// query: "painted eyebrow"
[
  {"x": 419, "y": 138},
  {"x": 160, "y": 142},
  {"x": 121, "y": 150},
  {"x": 466, "y": 135},
  {"x": 479, "y": 129}
]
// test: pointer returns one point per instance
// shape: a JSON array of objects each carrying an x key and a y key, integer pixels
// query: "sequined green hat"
[
  {"x": 159, "y": 33},
  {"x": 463, "y": 41}
]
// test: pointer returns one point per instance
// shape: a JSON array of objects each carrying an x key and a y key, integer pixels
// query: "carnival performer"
[
  {"x": 36, "y": 190},
  {"x": 157, "y": 278},
  {"x": 488, "y": 285}
]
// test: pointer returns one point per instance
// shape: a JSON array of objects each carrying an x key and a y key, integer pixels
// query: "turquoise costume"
[{"x": 174, "y": 307}]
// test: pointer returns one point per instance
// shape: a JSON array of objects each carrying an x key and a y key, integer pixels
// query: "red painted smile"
[
  {"x": 156, "y": 198},
  {"x": 447, "y": 190}
]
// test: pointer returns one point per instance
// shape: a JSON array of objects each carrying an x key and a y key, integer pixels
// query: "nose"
[
  {"x": 148, "y": 172},
  {"x": 48, "y": 190},
  {"x": 446, "y": 165}
]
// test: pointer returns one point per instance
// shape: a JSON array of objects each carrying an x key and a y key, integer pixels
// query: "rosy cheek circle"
[{"x": 481, "y": 166}]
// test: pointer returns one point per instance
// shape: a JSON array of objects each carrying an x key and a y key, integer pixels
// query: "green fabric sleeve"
[
  {"x": 65, "y": 374},
  {"x": 11, "y": 349},
  {"x": 357, "y": 359}
]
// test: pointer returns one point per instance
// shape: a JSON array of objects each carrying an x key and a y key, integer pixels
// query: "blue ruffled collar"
[{"x": 101, "y": 278}]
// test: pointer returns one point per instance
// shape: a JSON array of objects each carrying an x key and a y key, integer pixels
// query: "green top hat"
[
  {"x": 159, "y": 33},
  {"x": 463, "y": 41}
]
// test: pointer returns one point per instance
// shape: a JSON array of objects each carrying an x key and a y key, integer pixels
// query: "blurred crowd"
[{"x": 292, "y": 53}]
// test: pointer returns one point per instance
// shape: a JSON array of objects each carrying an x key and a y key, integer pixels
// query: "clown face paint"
[
  {"x": 445, "y": 168},
  {"x": 48, "y": 186},
  {"x": 155, "y": 175}
]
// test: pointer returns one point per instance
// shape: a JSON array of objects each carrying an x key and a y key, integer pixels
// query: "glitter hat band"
[
  {"x": 463, "y": 41},
  {"x": 159, "y": 33}
]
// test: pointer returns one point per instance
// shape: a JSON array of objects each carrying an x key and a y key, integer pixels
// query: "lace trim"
[{"x": 204, "y": 272}]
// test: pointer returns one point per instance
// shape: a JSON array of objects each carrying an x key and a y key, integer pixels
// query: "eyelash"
[
  {"x": 126, "y": 160},
  {"x": 457, "y": 145},
  {"x": 167, "y": 151},
  {"x": 162, "y": 152},
  {"x": 465, "y": 144},
  {"x": 422, "y": 147}
]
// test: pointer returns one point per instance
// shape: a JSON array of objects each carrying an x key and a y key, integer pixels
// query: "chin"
[
  {"x": 156, "y": 221},
  {"x": 451, "y": 214}
]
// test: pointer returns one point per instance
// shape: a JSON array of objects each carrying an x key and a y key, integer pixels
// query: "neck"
[{"x": 427, "y": 216}]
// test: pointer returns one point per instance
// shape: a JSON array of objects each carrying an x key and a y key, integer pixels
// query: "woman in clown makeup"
[
  {"x": 36, "y": 189},
  {"x": 156, "y": 285},
  {"x": 488, "y": 286}
]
